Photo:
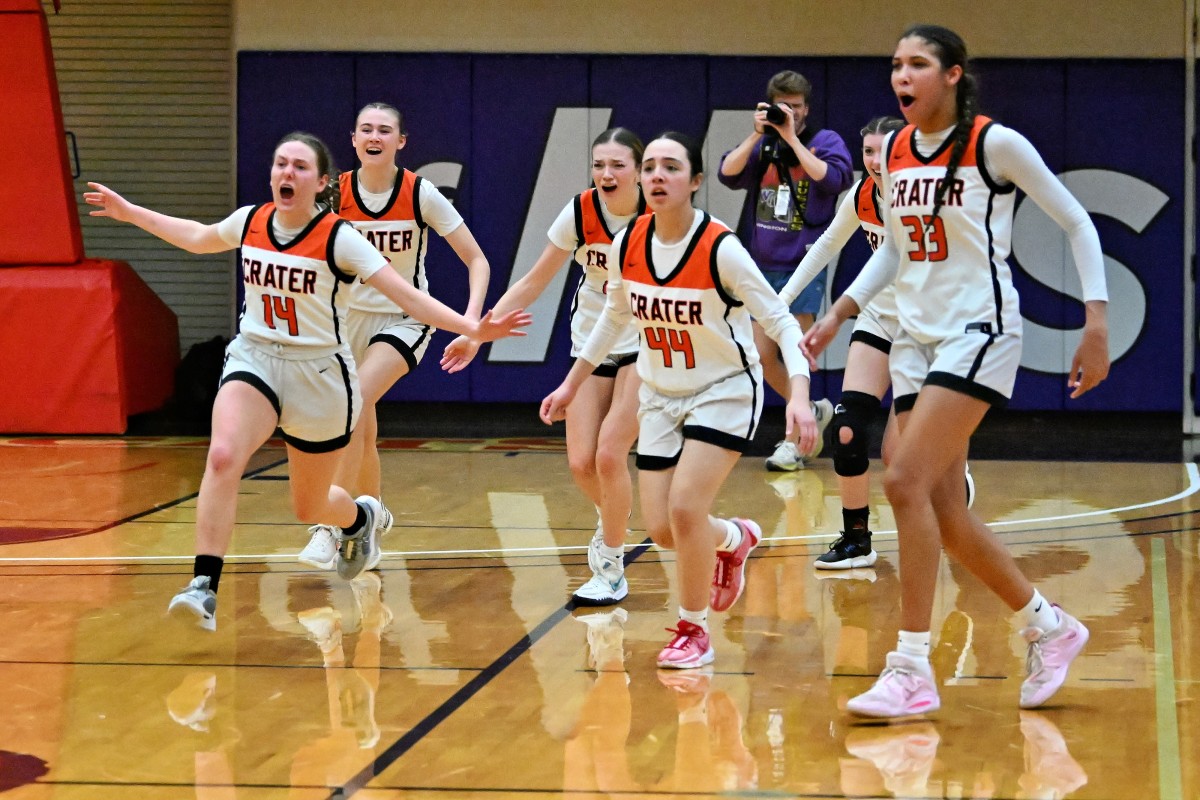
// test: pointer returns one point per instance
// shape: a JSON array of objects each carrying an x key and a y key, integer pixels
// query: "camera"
[{"x": 775, "y": 114}]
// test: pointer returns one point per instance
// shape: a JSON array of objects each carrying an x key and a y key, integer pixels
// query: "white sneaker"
[
  {"x": 324, "y": 626},
  {"x": 593, "y": 551},
  {"x": 786, "y": 458},
  {"x": 823, "y": 411},
  {"x": 199, "y": 601},
  {"x": 321, "y": 550},
  {"x": 388, "y": 520},
  {"x": 606, "y": 587},
  {"x": 605, "y": 637}
]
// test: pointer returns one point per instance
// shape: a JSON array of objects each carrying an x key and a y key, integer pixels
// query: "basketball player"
[
  {"x": 866, "y": 377},
  {"x": 949, "y": 179},
  {"x": 690, "y": 287},
  {"x": 289, "y": 365},
  {"x": 602, "y": 425},
  {"x": 393, "y": 208}
]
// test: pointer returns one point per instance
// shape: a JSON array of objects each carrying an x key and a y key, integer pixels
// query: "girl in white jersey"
[
  {"x": 690, "y": 288},
  {"x": 392, "y": 208},
  {"x": 602, "y": 425},
  {"x": 949, "y": 179},
  {"x": 289, "y": 366},
  {"x": 866, "y": 377}
]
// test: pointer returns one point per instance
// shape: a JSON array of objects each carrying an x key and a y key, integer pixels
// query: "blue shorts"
[{"x": 809, "y": 301}]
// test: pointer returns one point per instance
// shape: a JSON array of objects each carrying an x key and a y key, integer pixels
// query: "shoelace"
[
  {"x": 681, "y": 639},
  {"x": 724, "y": 575},
  {"x": 904, "y": 677},
  {"x": 1034, "y": 661}
]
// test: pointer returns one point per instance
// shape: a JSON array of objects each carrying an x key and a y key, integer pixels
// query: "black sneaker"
[{"x": 848, "y": 552}]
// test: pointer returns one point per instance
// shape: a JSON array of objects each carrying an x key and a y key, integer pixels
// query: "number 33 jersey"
[
  {"x": 296, "y": 294},
  {"x": 953, "y": 270}
]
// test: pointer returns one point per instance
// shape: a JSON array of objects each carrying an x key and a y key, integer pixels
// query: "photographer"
[{"x": 794, "y": 174}]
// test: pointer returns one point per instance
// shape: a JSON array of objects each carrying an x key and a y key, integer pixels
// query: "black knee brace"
[{"x": 854, "y": 412}]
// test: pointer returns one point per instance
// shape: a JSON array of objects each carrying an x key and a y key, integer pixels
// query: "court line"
[
  {"x": 1192, "y": 470},
  {"x": 1170, "y": 785},
  {"x": 472, "y": 687}
]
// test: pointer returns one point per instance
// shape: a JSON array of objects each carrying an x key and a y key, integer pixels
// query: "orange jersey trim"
[
  {"x": 696, "y": 268},
  {"x": 400, "y": 206},
  {"x": 313, "y": 242},
  {"x": 865, "y": 205},
  {"x": 903, "y": 153}
]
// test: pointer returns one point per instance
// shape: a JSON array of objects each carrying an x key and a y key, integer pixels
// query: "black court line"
[{"x": 471, "y": 688}]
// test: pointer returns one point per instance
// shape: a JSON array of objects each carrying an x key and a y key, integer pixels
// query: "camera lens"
[{"x": 775, "y": 115}]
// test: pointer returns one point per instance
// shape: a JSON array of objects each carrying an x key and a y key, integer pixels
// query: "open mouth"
[
  {"x": 374, "y": 151},
  {"x": 286, "y": 192},
  {"x": 906, "y": 100},
  {"x": 608, "y": 188}
]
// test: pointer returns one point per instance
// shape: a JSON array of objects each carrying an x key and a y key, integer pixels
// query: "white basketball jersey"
[
  {"x": 396, "y": 230},
  {"x": 866, "y": 205},
  {"x": 693, "y": 334},
  {"x": 295, "y": 294},
  {"x": 953, "y": 274}
]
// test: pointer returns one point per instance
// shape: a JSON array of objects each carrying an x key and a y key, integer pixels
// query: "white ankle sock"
[
  {"x": 1038, "y": 613},
  {"x": 615, "y": 553},
  {"x": 733, "y": 536},
  {"x": 695, "y": 617},
  {"x": 914, "y": 644}
]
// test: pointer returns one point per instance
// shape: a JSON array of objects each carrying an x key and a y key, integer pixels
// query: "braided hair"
[
  {"x": 881, "y": 125},
  {"x": 951, "y": 51},
  {"x": 330, "y": 196}
]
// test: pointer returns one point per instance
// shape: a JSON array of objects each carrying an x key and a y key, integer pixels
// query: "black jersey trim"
[
  {"x": 577, "y": 208},
  {"x": 957, "y": 383},
  {"x": 283, "y": 248},
  {"x": 912, "y": 146},
  {"x": 249, "y": 219},
  {"x": 687, "y": 253},
  {"x": 871, "y": 340},
  {"x": 726, "y": 441},
  {"x": 656, "y": 463},
  {"x": 598, "y": 207},
  {"x": 981, "y": 164},
  {"x": 331, "y": 249},
  {"x": 416, "y": 202},
  {"x": 391, "y": 201},
  {"x": 729, "y": 299},
  {"x": 327, "y": 446},
  {"x": 997, "y": 290},
  {"x": 258, "y": 383}
]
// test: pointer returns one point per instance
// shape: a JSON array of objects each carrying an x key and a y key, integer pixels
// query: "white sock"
[
  {"x": 1038, "y": 613},
  {"x": 733, "y": 536},
  {"x": 914, "y": 644},
  {"x": 695, "y": 617},
  {"x": 615, "y": 553}
]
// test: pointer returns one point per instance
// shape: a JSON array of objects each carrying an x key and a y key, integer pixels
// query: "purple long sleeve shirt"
[{"x": 776, "y": 243}]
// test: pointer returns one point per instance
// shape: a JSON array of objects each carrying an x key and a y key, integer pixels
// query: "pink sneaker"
[
  {"x": 690, "y": 648},
  {"x": 1050, "y": 656},
  {"x": 904, "y": 688},
  {"x": 729, "y": 579}
]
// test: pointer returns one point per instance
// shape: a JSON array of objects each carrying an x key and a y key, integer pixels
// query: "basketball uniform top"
[
  {"x": 866, "y": 206},
  {"x": 296, "y": 295},
  {"x": 694, "y": 333},
  {"x": 397, "y": 231},
  {"x": 952, "y": 273},
  {"x": 858, "y": 210},
  {"x": 586, "y": 229}
]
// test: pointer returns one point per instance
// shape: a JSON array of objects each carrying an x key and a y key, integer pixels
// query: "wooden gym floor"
[{"x": 459, "y": 671}]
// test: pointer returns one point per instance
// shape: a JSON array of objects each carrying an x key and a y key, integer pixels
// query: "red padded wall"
[
  {"x": 83, "y": 348},
  {"x": 33, "y": 158}
]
